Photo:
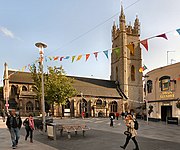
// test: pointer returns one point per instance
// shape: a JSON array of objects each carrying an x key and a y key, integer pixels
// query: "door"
[{"x": 166, "y": 111}]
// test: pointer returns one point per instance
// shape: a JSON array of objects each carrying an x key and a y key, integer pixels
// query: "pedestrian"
[
  {"x": 3, "y": 115},
  {"x": 29, "y": 126},
  {"x": 83, "y": 114},
  {"x": 117, "y": 115},
  {"x": 130, "y": 133},
  {"x": 14, "y": 123},
  {"x": 111, "y": 121}
]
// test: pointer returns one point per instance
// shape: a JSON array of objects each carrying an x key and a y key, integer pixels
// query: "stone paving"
[{"x": 155, "y": 136}]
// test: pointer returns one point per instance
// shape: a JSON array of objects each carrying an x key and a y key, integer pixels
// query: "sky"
[{"x": 58, "y": 23}]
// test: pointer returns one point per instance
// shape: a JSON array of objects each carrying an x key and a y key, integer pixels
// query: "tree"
[{"x": 57, "y": 87}]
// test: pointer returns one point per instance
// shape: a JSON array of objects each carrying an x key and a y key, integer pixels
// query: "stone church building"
[{"x": 96, "y": 97}]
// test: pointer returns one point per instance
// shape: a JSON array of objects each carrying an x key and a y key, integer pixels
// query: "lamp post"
[
  {"x": 41, "y": 47},
  {"x": 147, "y": 105},
  {"x": 168, "y": 55}
]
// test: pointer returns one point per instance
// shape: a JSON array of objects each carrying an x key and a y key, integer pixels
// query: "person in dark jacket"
[
  {"x": 29, "y": 126},
  {"x": 14, "y": 123}
]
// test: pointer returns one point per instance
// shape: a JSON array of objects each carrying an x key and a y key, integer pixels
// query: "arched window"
[
  {"x": 113, "y": 106},
  {"x": 117, "y": 74},
  {"x": 67, "y": 106},
  {"x": 99, "y": 102},
  {"x": 24, "y": 88},
  {"x": 149, "y": 86},
  {"x": 13, "y": 90},
  {"x": 164, "y": 83},
  {"x": 29, "y": 106},
  {"x": 132, "y": 73}
]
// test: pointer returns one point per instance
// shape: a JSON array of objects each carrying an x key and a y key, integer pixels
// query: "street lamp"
[
  {"x": 41, "y": 47},
  {"x": 168, "y": 55}
]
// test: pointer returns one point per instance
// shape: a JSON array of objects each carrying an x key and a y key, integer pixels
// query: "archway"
[
  {"x": 83, "y": 106},
  {"x": 29, "y": 107},
  {"x": 113, "y": 106}
]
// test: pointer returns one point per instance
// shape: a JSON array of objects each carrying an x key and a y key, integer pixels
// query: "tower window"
[{"x": 132, "y": 73}]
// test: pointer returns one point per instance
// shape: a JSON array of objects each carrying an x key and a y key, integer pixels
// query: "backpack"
[{"x": 136, "y": 125}]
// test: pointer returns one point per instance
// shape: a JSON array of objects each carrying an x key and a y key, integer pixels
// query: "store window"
[{"x": 164, "y": 83}]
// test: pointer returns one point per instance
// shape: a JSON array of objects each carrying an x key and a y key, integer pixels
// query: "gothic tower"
[{"x": 125, "y": 64}]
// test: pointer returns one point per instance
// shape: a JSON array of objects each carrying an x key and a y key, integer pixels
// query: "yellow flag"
[
  {"x": 79, "y": 57},
  {"x": 131, "y": 48}
]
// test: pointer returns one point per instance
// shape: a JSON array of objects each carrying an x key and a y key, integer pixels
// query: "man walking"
[{"x": 14, "y": 123}]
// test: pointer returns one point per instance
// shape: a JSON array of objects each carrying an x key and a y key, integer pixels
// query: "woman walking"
[
  {"x": 131, "y": 132},
  {"x": 29, "y": 126}
]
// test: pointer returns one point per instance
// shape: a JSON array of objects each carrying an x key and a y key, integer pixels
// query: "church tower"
[{"x": 125, "y": 64}]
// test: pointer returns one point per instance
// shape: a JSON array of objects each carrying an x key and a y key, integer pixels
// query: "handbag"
[{"x": 127, "y": 133}]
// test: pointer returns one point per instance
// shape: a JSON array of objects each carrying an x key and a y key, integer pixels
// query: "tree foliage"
[{"x": 57, "y": 87}]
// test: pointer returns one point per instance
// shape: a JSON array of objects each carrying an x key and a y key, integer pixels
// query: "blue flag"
[
  {"x": 178, "y": 30},
  {"x": 106, "y": 53}
]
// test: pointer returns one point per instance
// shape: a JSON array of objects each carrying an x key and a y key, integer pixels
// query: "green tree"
[{"x": 57, "y": 87}]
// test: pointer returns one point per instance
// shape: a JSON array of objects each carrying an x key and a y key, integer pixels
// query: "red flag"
[
  {"x": 61, "y": 58},
  {"x": 163, "y": 36},
  {"x": 87, "y": 56},
  {"x": 95, "y": 54},
  {"x": 178, "y": 79},
  {"x": 145, "y": 43},
  {"x": 56, "y": 58}
]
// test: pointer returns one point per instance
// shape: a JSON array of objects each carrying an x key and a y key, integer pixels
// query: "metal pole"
[
  {"x": 42, "y": 101},
  {"x": 41, "y": 52}
]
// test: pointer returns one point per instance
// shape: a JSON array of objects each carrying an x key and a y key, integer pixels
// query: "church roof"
[{"x": 88, "y": 86}]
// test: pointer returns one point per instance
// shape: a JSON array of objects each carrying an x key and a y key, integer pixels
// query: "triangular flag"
[
  {"x": 87, "y": 56},
  {"x": 178, "y": 30},
  {"x": 67, "y": 57},
  {"x": 131, "y": 48},
  {"x": 56, "y": 58},
  {"x": 61, "y": 58},
  {"x": 106, "y": 53},
  {"x": 163, "y": 36},
  {"x": 141, "y": 69},
  {"x": 96, "y": 54},
  {"x": 178, "y": 79},
  {"x": 144, "y": 67},
  {"x": 117, "y": 50},
  {"x": 79, "y": 57},
  {"x": 145, "y": 43},
  {"x": 73, "y": 57},
  {"x": 23, "y": 68},
  {"x": 50, "y": 58}
]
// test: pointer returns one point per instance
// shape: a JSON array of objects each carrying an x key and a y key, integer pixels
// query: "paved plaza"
[{"x": 154, "y": 136}]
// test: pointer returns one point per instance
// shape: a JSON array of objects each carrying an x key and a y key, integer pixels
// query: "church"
[{"x": 96, "y": 97}]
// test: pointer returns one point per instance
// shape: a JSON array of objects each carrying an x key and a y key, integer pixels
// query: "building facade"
[
  {"x": 125, "y": 64},
  {"x": 163, "y": 92},
  {"x": 96, "y": 97}
]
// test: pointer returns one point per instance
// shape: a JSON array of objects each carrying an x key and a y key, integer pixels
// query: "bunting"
[
  {"x": 142, "y": 68},
  {"x": 117, "y": 50},
  {"x": 61, "y": 58},
  {"x": 145, "y": 43},
  {"x": 79, "y": 57},
  {"x": 67, "y": 57},
  {"x": 56, "y": 58},
  {"x": 73, "y": 57},
  {"x": 106, "y": 53},
  {"x": 163, "y": 36},
  {"x": 96, "y": 55},
  {"x": 178, "y": 30},
  {"x": 87, "y": 56},
  {"x": 131, "y": 48}
]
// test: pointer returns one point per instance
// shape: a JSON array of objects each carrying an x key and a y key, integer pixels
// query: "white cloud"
[{"x": 7, "y": 32}]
